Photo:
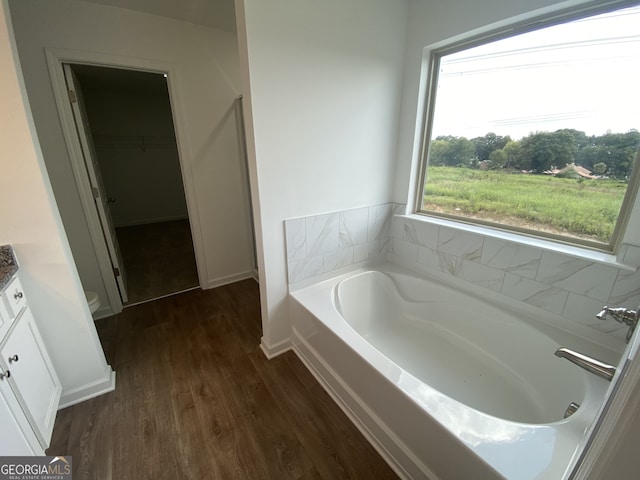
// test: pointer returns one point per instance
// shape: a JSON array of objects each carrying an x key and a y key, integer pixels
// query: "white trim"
[
  {"x": 236, "y": 277},
  {"x": 88, "y": 391},
  {"x": 252, "y": 165},
  {"x": 272, "y": 351},
  {"x": 103, "y": 312},
  {"x": 55, "y": 58}
]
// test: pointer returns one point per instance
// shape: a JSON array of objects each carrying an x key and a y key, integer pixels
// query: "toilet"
[{"x": 93, "y": 301}]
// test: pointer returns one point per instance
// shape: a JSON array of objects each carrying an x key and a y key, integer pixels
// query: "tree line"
[{"x": 611, "y": 154}]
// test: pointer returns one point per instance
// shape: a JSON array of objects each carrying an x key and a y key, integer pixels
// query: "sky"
[{"x": 583, "y": 75}]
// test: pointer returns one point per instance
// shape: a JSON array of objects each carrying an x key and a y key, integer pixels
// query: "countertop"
[{"x": 8, "y": 265}]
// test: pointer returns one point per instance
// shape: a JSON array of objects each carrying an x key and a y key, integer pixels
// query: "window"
[{"x": 539, "y": 131}]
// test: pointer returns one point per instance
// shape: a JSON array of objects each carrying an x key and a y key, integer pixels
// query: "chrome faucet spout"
[{"x": 592, "y": 365}]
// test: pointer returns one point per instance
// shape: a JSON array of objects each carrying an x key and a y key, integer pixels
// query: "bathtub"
[{"x": 444, "y": 382}]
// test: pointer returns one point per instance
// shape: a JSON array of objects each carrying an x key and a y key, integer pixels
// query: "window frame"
[{"x": 430, "y": 85}]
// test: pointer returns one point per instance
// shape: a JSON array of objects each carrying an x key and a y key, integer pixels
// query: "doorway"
[{"x": 130, "y": 123}]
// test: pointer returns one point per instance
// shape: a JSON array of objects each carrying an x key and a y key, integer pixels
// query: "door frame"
[{"x": 55, "y": 60}]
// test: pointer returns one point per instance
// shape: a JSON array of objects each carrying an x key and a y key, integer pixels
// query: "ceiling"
[{"x": 218, "y": 14}]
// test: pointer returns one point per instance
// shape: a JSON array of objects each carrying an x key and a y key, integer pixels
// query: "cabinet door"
[
  {"x": 5, "y": 319},
  {"x": 33, "y": 378},
  {"x": 16, "y": 436}
]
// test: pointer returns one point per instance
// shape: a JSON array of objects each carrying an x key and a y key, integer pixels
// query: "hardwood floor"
[
  {"x": 158, "y": 259},
  {"x": 197, "y": 399}
]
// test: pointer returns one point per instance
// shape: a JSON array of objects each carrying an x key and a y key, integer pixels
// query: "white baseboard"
[
  {"x": 88, "y": 391},
  {"x": 272, "y": 351},
  {"x": 219, "y": 282},
  {"x": 103, "y": 313}
]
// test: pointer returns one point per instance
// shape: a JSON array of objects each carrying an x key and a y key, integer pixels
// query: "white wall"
[
  {"x": 325, "y": 81},
  {"x": 31, "y": 223},
  {"x": 138, "y": 157},
  {"x": 204, "y": 85}
]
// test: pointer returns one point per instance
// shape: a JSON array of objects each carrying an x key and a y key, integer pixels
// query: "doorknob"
[{"x": 111, "y": 200}]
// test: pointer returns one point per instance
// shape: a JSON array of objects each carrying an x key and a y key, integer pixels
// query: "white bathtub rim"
[
  {"x": 564, "y": 435},
  {"x": 569, "y": 434},
  {"x": 405, "y": 459},
  {"x": 525, "y": 384},
  {"x": 378, "y": 360}
]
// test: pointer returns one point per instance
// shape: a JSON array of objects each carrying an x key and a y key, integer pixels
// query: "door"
[{"x": 93, "y": 171}]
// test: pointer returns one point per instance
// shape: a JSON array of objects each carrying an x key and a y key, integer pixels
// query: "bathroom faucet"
[
  {"x": 592, "y": 365},
  {"x": 623, "y": 315}
]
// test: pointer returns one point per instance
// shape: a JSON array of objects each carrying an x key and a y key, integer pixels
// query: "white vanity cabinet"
[
  {"x": 29, "y": 386},
  {"x": 16, "y": 435}
]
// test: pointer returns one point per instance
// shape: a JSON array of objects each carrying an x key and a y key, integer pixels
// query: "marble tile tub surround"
[
  {"x": 564, "y": 285},
  {"x": 320, "y": 244},
  {"x": 8, "y": 265}
]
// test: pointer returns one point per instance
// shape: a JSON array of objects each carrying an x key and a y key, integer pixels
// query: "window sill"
[{"x": 529, "y": 241}]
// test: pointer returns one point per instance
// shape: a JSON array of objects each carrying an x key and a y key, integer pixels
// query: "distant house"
[{"x": 571, "y": 171}]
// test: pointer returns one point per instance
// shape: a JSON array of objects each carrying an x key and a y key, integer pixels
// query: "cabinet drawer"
[{"x": 14, "y": 298}]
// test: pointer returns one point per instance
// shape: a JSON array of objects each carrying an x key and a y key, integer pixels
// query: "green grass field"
[{"x": 585, "y": 209}]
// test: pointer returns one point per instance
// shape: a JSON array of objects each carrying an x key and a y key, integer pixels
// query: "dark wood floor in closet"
[
  {"x": 158, "y": 259},
  {"x": 197, "y": 399}
]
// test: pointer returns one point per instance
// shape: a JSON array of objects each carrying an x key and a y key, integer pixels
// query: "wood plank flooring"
[
  {"x": 158, "y": 259},
  {"x": 197, "y": 399}
]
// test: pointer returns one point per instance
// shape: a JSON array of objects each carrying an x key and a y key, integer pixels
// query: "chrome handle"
[
  {"x": 6, "y": 374},
  {"x": 622, "y": 315},
  {"x": 13, "y": 358},
  {"x": 111, "y": 200},
  {"x": 602, "y": 315},
  {"x": 18, "y": 295}
]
